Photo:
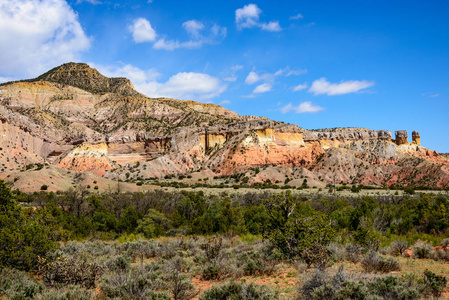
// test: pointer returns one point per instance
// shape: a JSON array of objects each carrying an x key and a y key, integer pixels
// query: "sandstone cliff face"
[{"x": 77, "y": 119}]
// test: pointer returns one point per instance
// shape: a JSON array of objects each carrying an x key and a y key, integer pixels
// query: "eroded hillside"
[{"x": 75, "y": 118}]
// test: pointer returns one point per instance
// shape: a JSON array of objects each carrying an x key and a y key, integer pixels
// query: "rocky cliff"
[{"x": 75, "y": 118}]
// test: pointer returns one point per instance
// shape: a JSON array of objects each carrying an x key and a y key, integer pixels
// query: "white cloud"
[
  {"x": 36, "y": 35},
  {"x": 252, "y": 78},
  {"x": 263, "y": 88},
  {"x": 296, "y": 72},
  {"x": 230, "y": 74},
  {"x": 142, "y": 31},
  {"x": 230, "y": 78},
  {"x": 94, "y": 2},
  {"x": 193, "y": 27},
  {"x": 297, "y": 17},
  {"x": 430, "y": 95},
  {"x": 187, "y": 85},
  {"x": 248, "y": 17},
  {"x": 184, "y": 85},
  {"x": 304, "y": 107},
  {"x": 166, "y": 45},
  {"x": 278, "y": 72},
  {"x": 322, "y": 86},
  {"x": 137, "y": 76},
  {"x": 199, "y": 36},
  {"x": 271, "y": 26},
  {"x": 225, "y": 102},
  {"x": 299, "y": 87}
]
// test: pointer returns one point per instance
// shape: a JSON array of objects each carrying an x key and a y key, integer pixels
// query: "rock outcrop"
[
  {"x": 416, "y": 139},
  {"x": 75, "y": 118},
  {"x": 401, "y": 137}
]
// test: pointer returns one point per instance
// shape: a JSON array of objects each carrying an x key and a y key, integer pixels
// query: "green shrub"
[
  {"x": 398, "y": 247},
  {"x": 337, "y": 252},
  {"x": 409, "y": 190},
  {"x": 24, "y": 234},
  {"x": 444, "y": 243},
  {"x": 375, "y": 262},
  {"x": 239, "y": 291},
  {"x": 67, "y": 293},
  {"x": 136, "y": 283},
  {"x": 71, "y": 271},
  {"x": 154, "y": 224},
  {"x": 390, "y": 287},
  {"x": 421, "y": 250},
  {"x": 434, "y": 284},
  {"x": 291, "y": 232},
  {"x": 342, "y": 286},
  {"x": 179, "y": 283},
  {"x": 210, "y": 273},
  {"x": 118, "y": 263},
  {"x": 368, "y": 238},
  {"x": 353, "y": 252},
  {"x": 317, "y": 255},
  {"x": 317, "y": 281},
  {"x": 212, "y": 248},
  {"x": 15, "y": 284}
]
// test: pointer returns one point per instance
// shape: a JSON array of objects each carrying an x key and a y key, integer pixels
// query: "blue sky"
[{"x": 318, "y": 64}]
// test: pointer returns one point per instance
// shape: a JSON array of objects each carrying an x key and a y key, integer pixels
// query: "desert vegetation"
[{"x": 188, "y": 245}]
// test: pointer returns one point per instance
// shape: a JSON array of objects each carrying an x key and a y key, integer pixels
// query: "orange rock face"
[
  {"x": 243, "y": 158},
  {"x": 95, "y": 165}
]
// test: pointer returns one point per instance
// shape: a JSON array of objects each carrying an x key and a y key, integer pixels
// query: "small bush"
[
  {"x": 212, "y": 248},
  {"x": 391, "y": 287},
  {"x": 69, "y": 271},
  {"x": 118, "y": 263},
  {"x": 210, "y": 273},
  {"x": 179, "y": 283},
  {"x": 317, "y": 255},
  {"x": 353, "y": 252},
  {"x": 67, "y": 293},
  {"x": 44, "y": 187},
  {"x": 439, "y": 255},
  {"x": 409, "y": 190},
  {"x": 337, "y": 251},
  {"x": 398, "y": 247},
  {"x": 318, "y": 280},
  {"x": 434, "y": 284},
  {"x": 444, "y": 243},
  {"x": 136, "y": 283},
  {"x": 374, "y": 262},
  {"x": 421, "y": 250},
  {"x": 16, "y": 284},
  {"x": 342, "y": 286},
  {"x": 239, "y": 291}
]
